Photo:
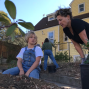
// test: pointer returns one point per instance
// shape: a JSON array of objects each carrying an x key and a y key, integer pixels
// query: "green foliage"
[
  {"x": 63, "y": 57},
  {"x": 21, "y": 32},
  {"x": 86, "y": 62},
  {"x": 12, "y": 64},
  {"x": 87, "y": 44},
  {"x": 56, "y": 43},
  {"x": 12, "y": 36},
  {"x": 42, "y": 59},
  {"x": 4, "y": 18},
  {"x": 10, "y": 8},
  {"x": 11, "y": 29},
  {"x": 27, "y": 25},
  {"x": 10, "y": 58},
  {"x": 87, "y": 47}
]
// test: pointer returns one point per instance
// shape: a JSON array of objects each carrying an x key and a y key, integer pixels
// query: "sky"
[{"x": 33, "y": 10}]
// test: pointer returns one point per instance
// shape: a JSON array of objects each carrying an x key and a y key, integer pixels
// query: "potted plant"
[{"x": 85, "y": 71}]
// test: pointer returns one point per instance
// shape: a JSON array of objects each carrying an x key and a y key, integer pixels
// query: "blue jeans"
[
  {"x": 15, "y": 71},
  {"x": 50, "y": 54}
]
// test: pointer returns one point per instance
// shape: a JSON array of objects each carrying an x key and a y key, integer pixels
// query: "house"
[{"x": 48, "y": 27}]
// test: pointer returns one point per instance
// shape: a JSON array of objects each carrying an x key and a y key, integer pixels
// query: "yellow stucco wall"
[
  {"x": 63, "y": 45},
  {"x": 75, "y": 7},
  {"x": 41, "y": 37},
  {"x": 86, "y": 19}
]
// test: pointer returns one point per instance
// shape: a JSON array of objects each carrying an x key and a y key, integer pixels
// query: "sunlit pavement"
[{"x": 64, "y": 86}]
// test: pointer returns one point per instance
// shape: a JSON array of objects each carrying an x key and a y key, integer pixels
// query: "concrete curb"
[{"x": 62, "y": 79}]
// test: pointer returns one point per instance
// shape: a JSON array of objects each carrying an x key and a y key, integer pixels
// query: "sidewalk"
[
  {"x": 64, "y": 86},
  {"x": 62, "y": 81}
]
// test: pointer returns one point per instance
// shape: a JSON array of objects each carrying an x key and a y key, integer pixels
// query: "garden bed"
[
  {"x": 23, "y": 82},
  {"x": 70, "y": 69}
]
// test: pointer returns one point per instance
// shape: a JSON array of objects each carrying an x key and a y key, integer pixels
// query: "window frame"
[
  {"x": 52, "y": 16},
  {"x": 53, "y": 35},
  {"x": 79, "y": 8}
]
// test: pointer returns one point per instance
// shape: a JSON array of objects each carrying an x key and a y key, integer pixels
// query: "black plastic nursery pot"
[
  {"x": 84, "y": 75},
  {"x": 51, "y": 68}
]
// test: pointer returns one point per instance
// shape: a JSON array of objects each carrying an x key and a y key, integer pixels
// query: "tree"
[
  {"x": 3, "y": 30},
  {"x": 12, "y": 27},
  {"x": 5, "y": 20}
]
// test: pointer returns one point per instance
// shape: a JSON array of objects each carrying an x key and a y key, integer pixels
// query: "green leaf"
[
  {"x": 21, "y": 20},
  {"x": 27, "y": 25},
  {"x": 22, "y": 32},
  {"x": 11, "y": 29},
  {"x": 10, "y": 6},
  {"x": 12, "y": 37}
]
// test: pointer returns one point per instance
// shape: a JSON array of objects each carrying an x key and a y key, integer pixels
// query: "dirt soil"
[
  {"x": 23, "y": 82},
  {"x": 67, "y": 69}
]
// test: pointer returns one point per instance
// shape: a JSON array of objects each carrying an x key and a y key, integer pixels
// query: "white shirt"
[{"x": 38, "y": 52}]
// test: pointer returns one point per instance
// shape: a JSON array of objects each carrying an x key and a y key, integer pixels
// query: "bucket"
[
  {"x": 51, "y": 68},
  {"x": 84, "y": 75}
]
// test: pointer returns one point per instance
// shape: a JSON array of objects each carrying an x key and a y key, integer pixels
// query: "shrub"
[
  {"x": 10, "y": 58},
  {"x": 64, "y": 57},
  {"x": 12, "y": 64}
]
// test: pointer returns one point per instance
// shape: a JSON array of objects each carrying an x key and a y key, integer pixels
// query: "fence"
[{"x": 7, "y": 49}]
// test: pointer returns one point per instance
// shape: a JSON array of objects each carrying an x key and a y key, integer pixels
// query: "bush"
[
  {"x": 12, "y": 64},
  {"x": 64, "y": 57},
  {"x": 10, "y": 58}
]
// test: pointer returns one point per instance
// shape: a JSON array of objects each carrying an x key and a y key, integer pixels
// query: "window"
[
  {"x": 65, "y": 37},
  {"x": 50, "y": 18},
  {"x": 81, "y": 7},
  {"x": 51, "y": 36}
]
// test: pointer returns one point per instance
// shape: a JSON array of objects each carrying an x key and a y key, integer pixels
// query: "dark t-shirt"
[{"x": 78, "y": 26}]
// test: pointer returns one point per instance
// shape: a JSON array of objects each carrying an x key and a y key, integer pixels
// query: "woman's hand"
[
  {"x": 21, "y": 72},
  {"x": 83, "y": 60}
]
